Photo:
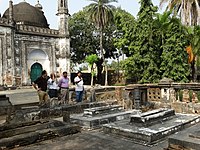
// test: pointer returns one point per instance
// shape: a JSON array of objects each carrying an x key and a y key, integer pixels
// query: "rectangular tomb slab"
[
  {"x": 187, "y": 139},
  {"x": 32, "y": 132},
  {"x": 102, "y": 110},
  {"x": 98, "y": 120},
  {"x": 153, "y": 133},
  {"x": 152, "y": 117}
]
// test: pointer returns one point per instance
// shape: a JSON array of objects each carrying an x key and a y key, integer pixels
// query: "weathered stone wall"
[{"x": 184, "y": 98}]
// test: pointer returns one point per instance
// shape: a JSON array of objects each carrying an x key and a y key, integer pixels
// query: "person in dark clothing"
[{"x": 40, "y": 84}]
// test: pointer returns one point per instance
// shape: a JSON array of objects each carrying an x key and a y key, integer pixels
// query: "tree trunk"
[
  {"x": 102, "y": 53},
  {"x": 195, "y": 69},
  {"x": 92, "y": 75},
  {"x": 99, "y": 71},
  {"x": 198, "y": 12},
  {"x": 106, "y": 75}
]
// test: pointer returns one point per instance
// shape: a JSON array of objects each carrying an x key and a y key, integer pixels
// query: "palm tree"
[
  {"x": 162, "y": 22},
  {"x": 188, "y": 10},
  {"x": 194, "y": 48},
  {"x": 101, "y": 14}
]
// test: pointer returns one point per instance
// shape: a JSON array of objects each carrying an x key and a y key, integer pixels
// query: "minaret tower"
[
  {"x": 11, "y": 22},
  {"x": 64, "y": 41}
]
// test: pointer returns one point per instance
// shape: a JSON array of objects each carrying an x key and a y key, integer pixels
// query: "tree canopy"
[
  {"x": 158, "y": 47},
  {"x": 155, "y": 44}
]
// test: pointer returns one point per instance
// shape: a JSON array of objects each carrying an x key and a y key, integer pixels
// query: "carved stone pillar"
[{"x": 1, "y": 62}]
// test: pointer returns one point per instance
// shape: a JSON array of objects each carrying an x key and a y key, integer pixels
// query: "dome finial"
[{"x": 38, "y": 5}]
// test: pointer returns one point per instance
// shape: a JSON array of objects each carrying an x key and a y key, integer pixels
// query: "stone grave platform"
[
  {"x": 150, "y": 127},
  {"x": 31, "y": 124},
  {"x": 186, "y": 140},
  {"x": 33, "y": 113},
  {"x": 97, "y": 116},
  {"x": 152, "y": 117},
  {"x": 20, "y": 134}
]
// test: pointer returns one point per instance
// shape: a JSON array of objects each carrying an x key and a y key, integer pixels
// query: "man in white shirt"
[
  {"x": 52, "y": 86},
  {"x": 78, "y": 80}
]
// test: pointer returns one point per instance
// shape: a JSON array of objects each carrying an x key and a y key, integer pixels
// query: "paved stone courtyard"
[
  {"x": 86, "y": 140},
  {"x": 90, "y": 138}
]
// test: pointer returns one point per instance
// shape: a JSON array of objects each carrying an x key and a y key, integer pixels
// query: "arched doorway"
[{"x": 36, "y": 70}]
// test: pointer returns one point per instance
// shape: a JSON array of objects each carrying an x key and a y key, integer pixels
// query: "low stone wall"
[
  {"x": 184, "y": 98},
  {"x": 113, "y": 95}
]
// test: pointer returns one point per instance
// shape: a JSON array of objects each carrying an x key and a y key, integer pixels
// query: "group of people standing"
[{"x": 51, "y": 87}]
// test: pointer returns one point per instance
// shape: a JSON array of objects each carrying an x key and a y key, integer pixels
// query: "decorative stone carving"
[
  {"x": 9, "y": 78},
  {"x": 57, "y": 54},
  {"x": 17, "y": 61},
  {"x": 17, "y": 51},
  {"x": 9, "y": 63},
  {"x": 172, "y": 95},
  {"x": 194, "y": 97},
  {"x": 186, "y": 97},
  {"x": 154, "y": 94},
  {"x": 9, "y": 52},
  {"x": 17, "y": 71}
]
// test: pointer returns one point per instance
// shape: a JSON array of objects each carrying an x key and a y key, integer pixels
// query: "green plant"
[
  {"x": 91, "y": 59},
  {"x": 177, "y": 94},
  {"x": 181, "y": 95},
  {"x": 198, "y": 95},
  {"x": 190, "y": 95}
]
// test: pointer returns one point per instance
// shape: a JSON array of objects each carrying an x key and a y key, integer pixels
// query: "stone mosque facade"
[{"x": 28, "y": 45}]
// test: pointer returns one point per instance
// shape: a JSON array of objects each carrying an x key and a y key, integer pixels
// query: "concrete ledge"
[{"x": 186, "y": 139}]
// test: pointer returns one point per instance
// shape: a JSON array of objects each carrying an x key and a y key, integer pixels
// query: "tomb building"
[{"x": 28, "y": 45}]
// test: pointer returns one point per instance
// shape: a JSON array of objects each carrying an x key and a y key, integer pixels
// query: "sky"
[{"x": 50, "y": 7}]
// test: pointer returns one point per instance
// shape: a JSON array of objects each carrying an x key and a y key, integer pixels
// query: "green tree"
[
  {"x": 91, "y": 60},
  {"x": 125, "y": 25},
  {"x": 83, "y": 40},
  {"x": 101, "y": 14},
  {"x": 158, "y": 48},
  {"x": 143, "y": 62},
  {"x": 174, "y": 57},
  {"x": 194, "y": 41}
]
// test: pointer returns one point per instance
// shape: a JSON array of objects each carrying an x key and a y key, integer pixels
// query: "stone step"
[
  {"x": 25, "y": 129},
  {"x": 151, "y": 117},
  {"x": 6, "y": 126},
  {"x": 102, "y": 110},
  {"x": 37, "y": 134}
]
